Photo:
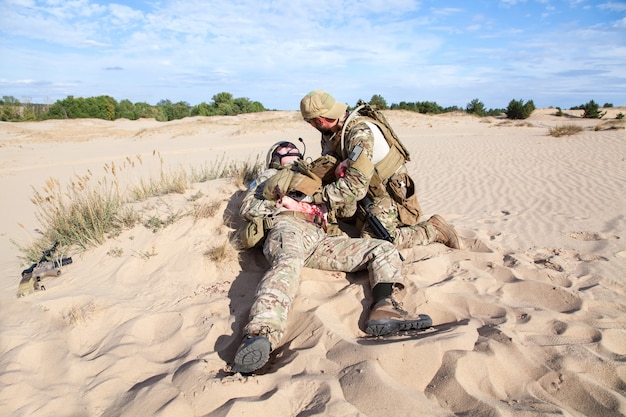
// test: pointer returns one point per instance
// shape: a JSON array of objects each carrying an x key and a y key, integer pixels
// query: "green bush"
[
  {"x": 379, "y": 102},
  {"x": 424, "y": 107},
  {"x": 592, "y": 110},
  {"x": 476, "y": 107},
  {"x": 517, "y": 109}
]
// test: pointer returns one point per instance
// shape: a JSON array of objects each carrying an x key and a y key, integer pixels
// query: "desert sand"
[{"x": 528, "y": 318}]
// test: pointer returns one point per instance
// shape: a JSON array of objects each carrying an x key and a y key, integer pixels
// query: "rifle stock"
[
  {"x": 380, "y": 230},
  {"x": 46, "y": 266}
]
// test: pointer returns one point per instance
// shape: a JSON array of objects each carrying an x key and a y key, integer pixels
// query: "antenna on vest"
[{"x": 303, "y": 144}]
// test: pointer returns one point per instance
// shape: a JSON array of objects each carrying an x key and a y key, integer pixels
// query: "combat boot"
[
  {"x": 445, "y": 233},
  {"x": 387, "y": 317},
  {"x": 253, "y": 353}
]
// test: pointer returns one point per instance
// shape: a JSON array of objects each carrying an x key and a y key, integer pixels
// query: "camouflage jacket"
[
  {"x": 254, "y": 204},
  {"x": 343, "y": 194}
]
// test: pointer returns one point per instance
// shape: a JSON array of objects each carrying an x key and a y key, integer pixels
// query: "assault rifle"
[
  {"x": 45, "y": 267},
  {"x": 380, "y": 230}
]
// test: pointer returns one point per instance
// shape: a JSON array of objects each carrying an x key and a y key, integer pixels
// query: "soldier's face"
[
  {"x": 324, "y": 125},
  {"x": 288, "y": 155}
]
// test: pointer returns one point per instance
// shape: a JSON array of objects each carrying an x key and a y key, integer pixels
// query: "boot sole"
[
  {"x": 252, "y": 354},
  {"x": 388, "y": 326}
]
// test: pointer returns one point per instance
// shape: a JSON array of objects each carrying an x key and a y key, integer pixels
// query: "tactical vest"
[
  {"x": 297, "y": 178},
  {"x": 397, "y": 155}
]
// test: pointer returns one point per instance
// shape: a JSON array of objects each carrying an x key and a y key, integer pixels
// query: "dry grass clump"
[
  {"x": 224, "y": 252},
  {"x": 240, "y": 172},
  {"x": 82, "y": 213},
  {"x": 167, "y": 182},
  {"x": 86, "y": 212},
  {"x": 611, "y": 125},
  {"x": 206, "y": 210},
  {"x": 565, "y": 130},
  {"x": 80, "y": 314}
]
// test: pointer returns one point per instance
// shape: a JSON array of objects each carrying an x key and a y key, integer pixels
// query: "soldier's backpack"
[
  {"x": 387, "y": 178},
  {"x": 397, "y": 156}
]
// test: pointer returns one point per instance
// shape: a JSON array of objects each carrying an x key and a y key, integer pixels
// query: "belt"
[{"x": 309, "y": 218}]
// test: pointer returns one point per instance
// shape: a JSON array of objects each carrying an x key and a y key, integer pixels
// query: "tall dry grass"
[
  {"x": 87, "y": 211},
  {"x": 565, "y": 130}
]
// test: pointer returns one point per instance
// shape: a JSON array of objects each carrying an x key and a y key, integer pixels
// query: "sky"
[{"x": 558, "y": 53}]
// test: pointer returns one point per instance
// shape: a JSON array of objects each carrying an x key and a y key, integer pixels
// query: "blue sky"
[{"x": 555, "y": 52}]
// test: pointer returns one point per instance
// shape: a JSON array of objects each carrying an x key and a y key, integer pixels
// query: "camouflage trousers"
[
  {"x": 386, "y": 210},
  {"x": 293, "y": 244}
]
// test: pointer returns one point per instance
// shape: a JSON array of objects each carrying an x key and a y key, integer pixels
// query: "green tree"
[
  {"x": 476, "y": 107},
  {"x": 518, "y": 110},
  {"x": 104, "y": 107},
  {"x": 145, "y": 111},
  {"x": 126, "y": 110},
  {"x": 10, "y": 109},
  {"x": 244, "y": 105},
  {"x": 378, "y": 101},
  {"x": 223, "y": 103},
  {"x": 592, "y": 110},
  {"x": 203, "y": 109}
]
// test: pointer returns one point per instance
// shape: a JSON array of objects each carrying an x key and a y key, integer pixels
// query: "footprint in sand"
[
  {"x": 502, "y": 214},
  {"x": 591, "y": 236},
  {"x": 475, "y": 245},
  {"x": 542, "y": 295},
  {"x": 565, "y": 335},
  {"x": 589, "y": 400}
]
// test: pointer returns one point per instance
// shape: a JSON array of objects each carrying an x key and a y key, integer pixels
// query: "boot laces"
[{"x": 396, "y": 305}]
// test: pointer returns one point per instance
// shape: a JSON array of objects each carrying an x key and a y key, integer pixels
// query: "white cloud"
[
  {"x": 276, "y": 51},
  {"x": 615, "y": 7}
]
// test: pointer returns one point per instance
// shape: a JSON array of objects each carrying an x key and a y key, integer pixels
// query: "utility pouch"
[
  {"x": 401, "y": 188},
  {"x": 332, "y": 229},
  {"x": 324, "y": 168},
  {"x": 252, "y": 233}
]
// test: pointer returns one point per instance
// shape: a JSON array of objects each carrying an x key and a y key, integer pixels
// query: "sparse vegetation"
[
  {"x": 206, "y": 210},
  {"x": 591, "y": 110},
  {"x": 145, "y": 255},
  {"x": 565, "y": 130},
  {"x": 107, "y": 108},
  {"x": 476, "y": 107},
  {"x": 518, "y": 110},
  {"x": 221, "y": 253},
  {"x": 79, "y": 314},
  {"x": 155, "y": 223},
  {"x": 610, "y": 125},
  {"x": 379, "y": 102},
  {"x": 168, "y": 182},
  {"x": 115, "y": 252},
  {"x": 87, "y": 212}
]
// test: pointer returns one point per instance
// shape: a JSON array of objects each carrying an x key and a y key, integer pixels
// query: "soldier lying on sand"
[{"x": 297, "y": 238}]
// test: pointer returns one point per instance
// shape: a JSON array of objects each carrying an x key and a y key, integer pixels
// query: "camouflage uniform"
[
  {"x": 343, "y": 194},
  {"x": 294, "y": 243}
]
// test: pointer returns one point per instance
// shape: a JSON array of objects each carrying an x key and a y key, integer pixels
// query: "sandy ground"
[{"x": 528, "y": 319}]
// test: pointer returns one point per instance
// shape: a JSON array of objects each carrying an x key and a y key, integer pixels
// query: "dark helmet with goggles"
[{"x": 273, "y": 159}]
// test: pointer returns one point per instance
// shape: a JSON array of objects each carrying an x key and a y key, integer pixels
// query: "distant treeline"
[{"x": 107, "y": 108}]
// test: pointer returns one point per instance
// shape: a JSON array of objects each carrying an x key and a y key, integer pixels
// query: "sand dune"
[{"x": 528, "y": 320}]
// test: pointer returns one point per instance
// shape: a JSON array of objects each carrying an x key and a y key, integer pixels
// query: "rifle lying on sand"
[
  {"x": 45, "y": 267},
  {"x": 380, "y": 230}
]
